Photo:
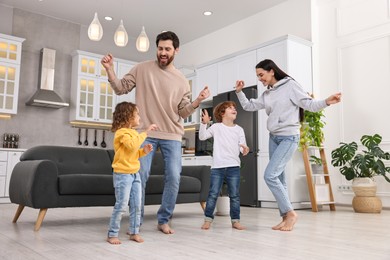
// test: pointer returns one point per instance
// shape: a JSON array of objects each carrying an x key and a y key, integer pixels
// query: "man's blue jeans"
[
  {"x": 281, "y": 150},
  {"x": 171, "y": 152},
  {"x": 232, "y": 177},
  {"x": 127, "y": 191}
]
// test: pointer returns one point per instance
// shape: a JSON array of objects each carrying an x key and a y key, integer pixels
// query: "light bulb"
[
  {"x": 142, "y": 43},
  {"x": 95, "y": 29},
  {"x": 120, "y": 37}
]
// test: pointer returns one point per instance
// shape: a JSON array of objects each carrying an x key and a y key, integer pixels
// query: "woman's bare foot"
[
  {"x": 291, "y": 219},
  {"x": 280, "y": 225},
  {"x": 113, "y": 241},
  {"x": 206, "y": 225},
  {"x": 136, "y": 238},
  {"x": 165, "y": 228},
  {"x": 238, "y": 226}
]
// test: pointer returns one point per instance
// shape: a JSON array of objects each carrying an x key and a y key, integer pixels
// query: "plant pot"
[
  {"x": 365, "y": 200},
  {"x": 223, "y": 206}
]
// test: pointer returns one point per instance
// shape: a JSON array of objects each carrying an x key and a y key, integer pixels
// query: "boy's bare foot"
[
  {"x": 238, "y": 226},
  {"x": 206, "y": 225},
  {"x": 113, "y": 241},
  {"x": 291, "y": 219},
  {"x": 165, "y": 228},
  {"x": 280, "y": 225},
  {"x": 136, "y": 238}
]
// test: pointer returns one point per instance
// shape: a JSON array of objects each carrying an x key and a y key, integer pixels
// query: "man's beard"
[{"x": 164, "y": 65}]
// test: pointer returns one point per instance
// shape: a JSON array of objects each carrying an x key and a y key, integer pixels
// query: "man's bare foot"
[
  {"x": 165, "y": 228},
  {"x": 206, "y": 225},
  {"x": 238, "y": 226},
  {"x": 113, "y": 241},
  {"x": 136, "y": 238},
  {"x": 291, "y": 219},
  {"x": 280, "y": 225}
]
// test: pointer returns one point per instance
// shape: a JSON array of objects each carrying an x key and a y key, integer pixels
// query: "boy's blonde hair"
[{"x": 220, "y": 109}]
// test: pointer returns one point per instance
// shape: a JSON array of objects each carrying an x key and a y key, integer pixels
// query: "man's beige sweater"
[{"x": 162, "y": 95}]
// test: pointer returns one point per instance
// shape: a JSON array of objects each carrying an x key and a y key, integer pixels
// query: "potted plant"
[
  {"x": 361, "y": 167},
  {"x": 316, "y": 165},
  {"x": 311, "y": 129}
]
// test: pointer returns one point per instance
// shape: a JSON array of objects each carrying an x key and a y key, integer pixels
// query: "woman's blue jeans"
[
  {"x": 171, "y": 152},
  {"x": 281, "y": 150},
  {"x": 127, "y": 189},
  {"x": 231, "y": 175}
]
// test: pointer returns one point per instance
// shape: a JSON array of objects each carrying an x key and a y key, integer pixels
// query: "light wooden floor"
[{"x": 79, "y": 233}]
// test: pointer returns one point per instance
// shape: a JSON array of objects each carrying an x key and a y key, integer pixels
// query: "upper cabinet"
[
  {"x": 207, "y": 76},
  {"x": 10, "y": 57},
  {"x": 293, "y": 55},
  {"x": 240, "y": 67},
  {"x": 123, "y": 68},
  {"x": 194, "y": 117}
]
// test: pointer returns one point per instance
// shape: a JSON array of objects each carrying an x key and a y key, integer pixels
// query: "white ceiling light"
[
  {"x": 108, "y": 18},
  {"x": 207, "y": 13},
  {"x": 95, "y": 29},
  {"x": 142, "y": 43},
  {"x": 120, "y": 37}
]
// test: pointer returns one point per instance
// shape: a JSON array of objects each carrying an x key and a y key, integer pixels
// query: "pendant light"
[
  {"x": 120, "y": 37},
  {"x": 95, "y": 29},
  {"x": 142, "y": 43}
]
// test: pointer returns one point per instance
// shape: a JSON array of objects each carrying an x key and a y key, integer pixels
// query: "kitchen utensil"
[
  {"x": 79, "y": 142},
  {"x": 86, "y": 137},
  {"x": 95, "y": 142},
  {"x": 103, "y": 143}
]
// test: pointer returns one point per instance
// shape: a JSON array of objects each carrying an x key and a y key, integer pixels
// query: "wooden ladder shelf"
[{"x": 312, "y": 186}]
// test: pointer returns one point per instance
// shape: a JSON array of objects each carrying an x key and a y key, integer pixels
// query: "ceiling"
[{"x": 184, "y": 17}]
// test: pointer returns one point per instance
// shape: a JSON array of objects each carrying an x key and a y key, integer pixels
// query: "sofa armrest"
[
  {"x": 35, "y": 184},
  {"x": 202, "y": 173}
]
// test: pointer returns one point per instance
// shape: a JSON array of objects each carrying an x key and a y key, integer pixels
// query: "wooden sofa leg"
[
  {"x": 17, "y": 214},
  {"x": 203, "y": 205},
  {"x": 41, "y": 216}
]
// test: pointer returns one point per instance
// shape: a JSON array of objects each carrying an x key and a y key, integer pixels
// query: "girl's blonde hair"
[
  {"x": 220, "y": 109},
  {"x": 122, "y": 115}
]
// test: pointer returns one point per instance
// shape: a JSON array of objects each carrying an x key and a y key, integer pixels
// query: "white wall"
[
  {"x": 290, "y": 17},
  {"x": 352, "y": 55}
]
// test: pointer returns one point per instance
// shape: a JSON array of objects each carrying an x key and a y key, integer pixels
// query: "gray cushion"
[
  {"x": 155, "y": 184},
  {"x": 92, "y": 184}
]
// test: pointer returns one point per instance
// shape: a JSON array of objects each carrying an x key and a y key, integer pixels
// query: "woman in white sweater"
[{"x": 282, "y": 100}]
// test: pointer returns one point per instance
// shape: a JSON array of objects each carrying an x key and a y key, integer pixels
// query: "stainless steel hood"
[{"x": 45, "y": 95}]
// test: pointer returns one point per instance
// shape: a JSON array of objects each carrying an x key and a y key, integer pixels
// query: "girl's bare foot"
[
  {"x": 291, "y": 219},
  {"x": 113, "y": 241},
  {"x": 165, "y": 228},
  {"x": 136, "y": 238},
  {"x": 206, "y": 225},
  {"x": 238, "y": 226},
  {"x": 280, "y": 225}
]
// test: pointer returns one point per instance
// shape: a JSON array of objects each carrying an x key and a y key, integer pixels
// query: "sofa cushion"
[
  {"x": 91, "y": 184},
  {"x": 155, "y": 184}
]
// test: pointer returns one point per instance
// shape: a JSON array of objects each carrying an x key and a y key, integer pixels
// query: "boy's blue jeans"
[
  {"x": 232, "y": 177},
  {"x": 127, "y": 189}
]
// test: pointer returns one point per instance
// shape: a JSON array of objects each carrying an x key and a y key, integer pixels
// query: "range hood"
[{"x": 45, "y": 96}]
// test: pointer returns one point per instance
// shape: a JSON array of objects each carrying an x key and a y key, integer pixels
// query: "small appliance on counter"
[{"x": 10, "y": 140}]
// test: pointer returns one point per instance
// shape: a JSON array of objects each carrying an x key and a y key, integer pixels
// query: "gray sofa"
[{"x": 58, "y": 176}]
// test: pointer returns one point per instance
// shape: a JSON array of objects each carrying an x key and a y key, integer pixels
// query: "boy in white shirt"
[{"x": 229, "y": 141}]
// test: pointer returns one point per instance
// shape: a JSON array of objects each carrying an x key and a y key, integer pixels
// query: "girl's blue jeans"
[{"x": 127, "y": 189}]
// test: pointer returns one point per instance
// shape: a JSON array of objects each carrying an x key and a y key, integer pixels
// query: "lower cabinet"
[{"x": 8, "y": 160}]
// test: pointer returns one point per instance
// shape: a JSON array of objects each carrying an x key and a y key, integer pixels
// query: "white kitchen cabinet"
[
  {"x": 93, "y": 99},
  {"x": 240, "y": 67},
  {"x": 10, "y": 56},
  {"x": 207, "y": 76},
  {"x": 123, "y": 68},
  {"x": 197, "y": 160},
  {"x": 194, "y": 118},
  {"x": 292, "y": 55},
  {"x": 8, "y": 159}
]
